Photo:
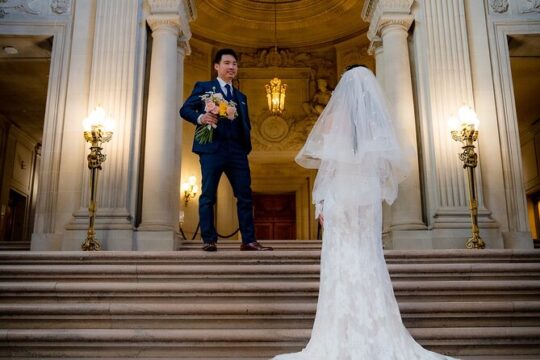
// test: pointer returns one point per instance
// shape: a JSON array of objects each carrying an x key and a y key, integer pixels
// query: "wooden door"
[{"x": 275, "y": 216}]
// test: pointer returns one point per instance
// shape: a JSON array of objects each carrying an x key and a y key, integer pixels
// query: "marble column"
[
  {"x": 376, "y": 49},
  {"x": 390, "y": 21},
  {"x": 106, "y": 76},
  {"x": 444, "y": 82},
  {"x": 160, "y": 196},
  {"x": 182, "y": 50}
]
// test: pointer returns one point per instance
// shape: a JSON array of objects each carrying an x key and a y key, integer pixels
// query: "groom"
[{"x": 226, "y": 152}]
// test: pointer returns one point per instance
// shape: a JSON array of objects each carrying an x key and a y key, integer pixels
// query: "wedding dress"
[{"x": 360, "y": 163}]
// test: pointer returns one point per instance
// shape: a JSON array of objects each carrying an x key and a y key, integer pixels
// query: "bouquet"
[{"x": 214, "y": 103}]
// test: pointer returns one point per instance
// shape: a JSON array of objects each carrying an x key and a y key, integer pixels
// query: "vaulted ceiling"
[{"x": 300, "y": 23}]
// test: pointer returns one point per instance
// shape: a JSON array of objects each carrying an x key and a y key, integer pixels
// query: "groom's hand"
[{"x": 209, "y": 119}]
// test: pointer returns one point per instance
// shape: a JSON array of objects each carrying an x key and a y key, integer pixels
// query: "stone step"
[
  {"x": 228, "y": 272},
  {"x": 14, "y": 245},
  {"x": 215, "y": 291},
  {"x": 235, "y": 244},
  {"x": 253, "y": 315},
  {"x": 462, "y": 357},
  {"x": 254, "y": 257},
  {"x": 241, "y": 343}
]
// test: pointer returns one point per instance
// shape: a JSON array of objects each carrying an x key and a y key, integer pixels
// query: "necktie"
[{"x": 228, "y": 92}]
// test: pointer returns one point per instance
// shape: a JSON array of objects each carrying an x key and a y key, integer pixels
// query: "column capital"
[
  {"x": 375, "y": 45},
  {"x": 173, "y": 14},
  {"x": 383, "y": 13},
  {"x": 183, "y": 46}
]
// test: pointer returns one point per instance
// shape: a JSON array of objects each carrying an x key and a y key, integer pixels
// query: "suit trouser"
[{"x": 232, "y": 160}]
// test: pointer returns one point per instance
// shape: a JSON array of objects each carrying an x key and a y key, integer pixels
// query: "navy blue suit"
[{"x": 227, "y": 153}]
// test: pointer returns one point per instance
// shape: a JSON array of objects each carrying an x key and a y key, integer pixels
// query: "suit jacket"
[{"x": 194, "y": 106}]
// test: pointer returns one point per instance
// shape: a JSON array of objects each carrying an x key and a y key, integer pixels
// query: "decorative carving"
[
  {"x": 322, "y": 65},
  {"x": 268, "y": 57},
  {"x": 403, "y": 20},
  {"x": 499, "y": 6},
  {"x": 164, "y": 6},
  {"x": 382, "y": 13},
  {"x": 274, "y": 128},
  {"x": 375, "y": 45},
  {"x": 171, "y": 22},
  {"x": 174, "y": 15},
  {"x": 530, "y": 6},
  {"x": 319, "y": 100},
  {"x": 60, "y": 6},
  {"x": 191, "y": 9},
  {"x": 280, "y": 132},
  {"x": 23, "y": 6}
]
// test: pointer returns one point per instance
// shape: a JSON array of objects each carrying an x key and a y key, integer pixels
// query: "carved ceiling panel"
[{"x": 250, "y": 23}]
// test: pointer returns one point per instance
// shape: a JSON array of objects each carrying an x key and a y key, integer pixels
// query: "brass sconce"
[
  {"x": 190, "y": 189},
  {"x": 464, "y": 129},
  {"x": 97, "y": 130}
]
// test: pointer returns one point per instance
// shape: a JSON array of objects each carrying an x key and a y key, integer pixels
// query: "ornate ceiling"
[{"x": 250, "y": 23}]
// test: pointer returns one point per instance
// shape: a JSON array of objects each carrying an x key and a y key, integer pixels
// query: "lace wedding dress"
[
  {"x": 360, "y": 163},
  {"x": 357, "y": 314}
]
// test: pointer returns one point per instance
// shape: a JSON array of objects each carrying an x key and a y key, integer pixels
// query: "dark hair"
[
  {"x": 221, "y": 52},
  {"x": 349, "y": 67}
]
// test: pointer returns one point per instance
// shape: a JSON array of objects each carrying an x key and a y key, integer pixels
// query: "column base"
[
  {"x": 517, "y": 240},
  {"x": 46, "y": 242},
  {"x": 439, "y": 239},
  {"x": 152, "y": 240},
  {"x": 110, "y": 239}
]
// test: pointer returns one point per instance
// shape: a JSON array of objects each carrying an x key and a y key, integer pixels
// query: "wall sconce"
[
  {"x": 98, "y": 129},
  {"x": 190, "y": 189},
  {"x": 464, "y": 129}
]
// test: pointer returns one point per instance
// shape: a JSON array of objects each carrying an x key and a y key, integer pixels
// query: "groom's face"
[{"x": 227, "y": 68}]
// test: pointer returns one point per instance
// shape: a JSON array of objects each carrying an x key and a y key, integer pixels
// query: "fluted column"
[
  {"x": 446, "y": 81},
  {"x": 160, "y": 195},
  {"x": 390, "y": 21},
  {"x": 113, "y": 68}
]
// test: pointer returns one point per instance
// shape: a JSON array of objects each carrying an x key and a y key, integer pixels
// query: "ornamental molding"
[
  {"x": 26, "y": 7},
  {"x": 529, "y": 6},
  {"x": 372, "y": 7},
  {"x": 60, "y": 6},
  {"x": 499, "y": 6},
  {"x": 191, "y": 9},
  {"x": 405, "y": 21},
  {"x": 164, "y": 6},
  {"x": 171, "y": 13},
  {"x": 34, "y": 8},
  {"x": 157, "y": 21},
  {"x": 282, "y": 132},
  {"x": 183, "y": 46},
  {"x": 381, "y": 13},
  {"x": 375, "y": 45}
]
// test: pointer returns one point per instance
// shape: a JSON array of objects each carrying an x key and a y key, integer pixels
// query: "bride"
[{"x": 360, "y": 162}]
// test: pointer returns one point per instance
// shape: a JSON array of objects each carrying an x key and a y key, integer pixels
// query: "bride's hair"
[{"x": 349, "y": 67}]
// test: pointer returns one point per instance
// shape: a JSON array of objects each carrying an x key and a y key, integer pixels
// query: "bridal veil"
[{"x": 355, "y": 139}]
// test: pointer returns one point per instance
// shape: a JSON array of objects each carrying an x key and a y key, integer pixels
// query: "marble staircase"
[{"x": 243, "y": 305}]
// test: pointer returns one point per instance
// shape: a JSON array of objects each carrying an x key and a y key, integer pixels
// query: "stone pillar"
[
  {"x": 113, "y": 66},
  {"x": 390, "y": 21},
  {"x": 376, "y": 49},
  {"x": 160, "y": 196},
  {"x": 444, "y": 81},
  {"x": 183, "y": 49}
]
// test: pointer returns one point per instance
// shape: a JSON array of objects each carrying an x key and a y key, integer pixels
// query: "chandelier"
[{"x": 275, "y": 89}]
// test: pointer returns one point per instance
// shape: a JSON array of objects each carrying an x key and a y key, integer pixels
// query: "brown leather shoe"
[
  {"x": 254, "y": 246},
  {"x": 210, "y": 246}
]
